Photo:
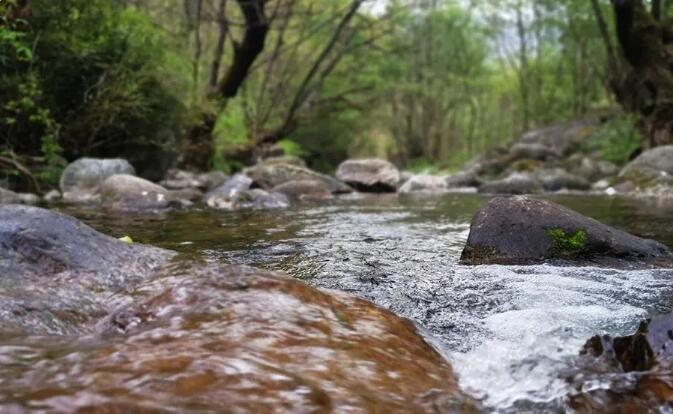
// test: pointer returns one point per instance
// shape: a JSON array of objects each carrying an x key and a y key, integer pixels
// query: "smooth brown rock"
[{"x": 207, "y": 338}]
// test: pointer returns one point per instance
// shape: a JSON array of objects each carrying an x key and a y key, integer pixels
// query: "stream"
[{"x": 508, "y": 331}]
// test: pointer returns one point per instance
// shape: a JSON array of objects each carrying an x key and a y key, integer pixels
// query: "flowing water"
[{"x": 508, "y": 330}]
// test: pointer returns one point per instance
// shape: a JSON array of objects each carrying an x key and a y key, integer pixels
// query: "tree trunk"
[
  {"x": 219, "y": 46},
  {"x": 245, "y": 52},
  {"x": 648, "y": 87}
]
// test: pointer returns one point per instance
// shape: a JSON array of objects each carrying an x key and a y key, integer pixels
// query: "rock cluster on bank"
[{"x": 546, "y": 160}]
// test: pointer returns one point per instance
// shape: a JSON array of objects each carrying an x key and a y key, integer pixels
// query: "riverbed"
[{"x": 508, "y": 331}]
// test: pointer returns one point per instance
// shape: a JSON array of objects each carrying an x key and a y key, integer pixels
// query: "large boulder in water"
[
  {"x": 369, "y": 175},
  {"x": 211, "y": 338},
  {"x": 53, "y": 267},
  {"x": 85, "y": 175},
  {"x": 268, "y": 176},
  {"x": 524, "y": 230}
]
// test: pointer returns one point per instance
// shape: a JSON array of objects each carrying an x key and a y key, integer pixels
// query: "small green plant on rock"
[{"x": 565, "y": 243}]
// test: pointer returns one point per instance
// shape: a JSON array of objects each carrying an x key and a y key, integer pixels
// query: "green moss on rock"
[{"x": 565, "y": 243}]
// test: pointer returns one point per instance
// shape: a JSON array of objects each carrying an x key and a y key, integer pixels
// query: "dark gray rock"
[
  {"x": 87, "y": 174},
  {"x": 517, "y": 183},
  {"x": 524, "y": 230},
  {"x": 306, "y": 190},
  {"x": 54, "y": 270},
  {"x": 369, "y": 175},
  {"x": 268, "y": 176}
]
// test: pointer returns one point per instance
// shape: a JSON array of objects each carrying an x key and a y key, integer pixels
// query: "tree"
[{"x": 646, "y": 87}]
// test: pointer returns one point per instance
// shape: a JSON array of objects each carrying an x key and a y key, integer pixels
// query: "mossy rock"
[{"x": 525, "y": 230}]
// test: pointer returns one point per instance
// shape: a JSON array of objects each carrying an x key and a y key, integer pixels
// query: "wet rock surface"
[
  {"x": 635, "y": 370},
  {"x": 226, "y": 338},
  {"x": 369, "y": 175},
  {"x": 509, "y": 331},
  {"x": 523, "y": 230},
  {"x": 53, "y": 268}
]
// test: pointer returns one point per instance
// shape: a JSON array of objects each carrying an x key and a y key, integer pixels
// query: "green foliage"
[
  {"x": 566, "y": 243},
  {"x": 616, "y": 140},
  {"x": 88, "y": 78},
  {"x": 291, "y": 148}
]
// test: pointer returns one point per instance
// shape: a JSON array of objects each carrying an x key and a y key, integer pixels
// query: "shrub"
[
  {"x": 616, "y": 140},
  {"x": 88, "y": 78}
]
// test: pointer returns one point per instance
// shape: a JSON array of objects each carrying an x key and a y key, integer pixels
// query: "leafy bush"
[
  {"x": 88, "y": 78},
  {"x": 617, "y": 139}
]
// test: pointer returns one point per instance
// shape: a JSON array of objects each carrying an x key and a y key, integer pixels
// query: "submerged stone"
[
  {"x": 524, "y": 230},
  {"x": 233, "y": 339}
]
